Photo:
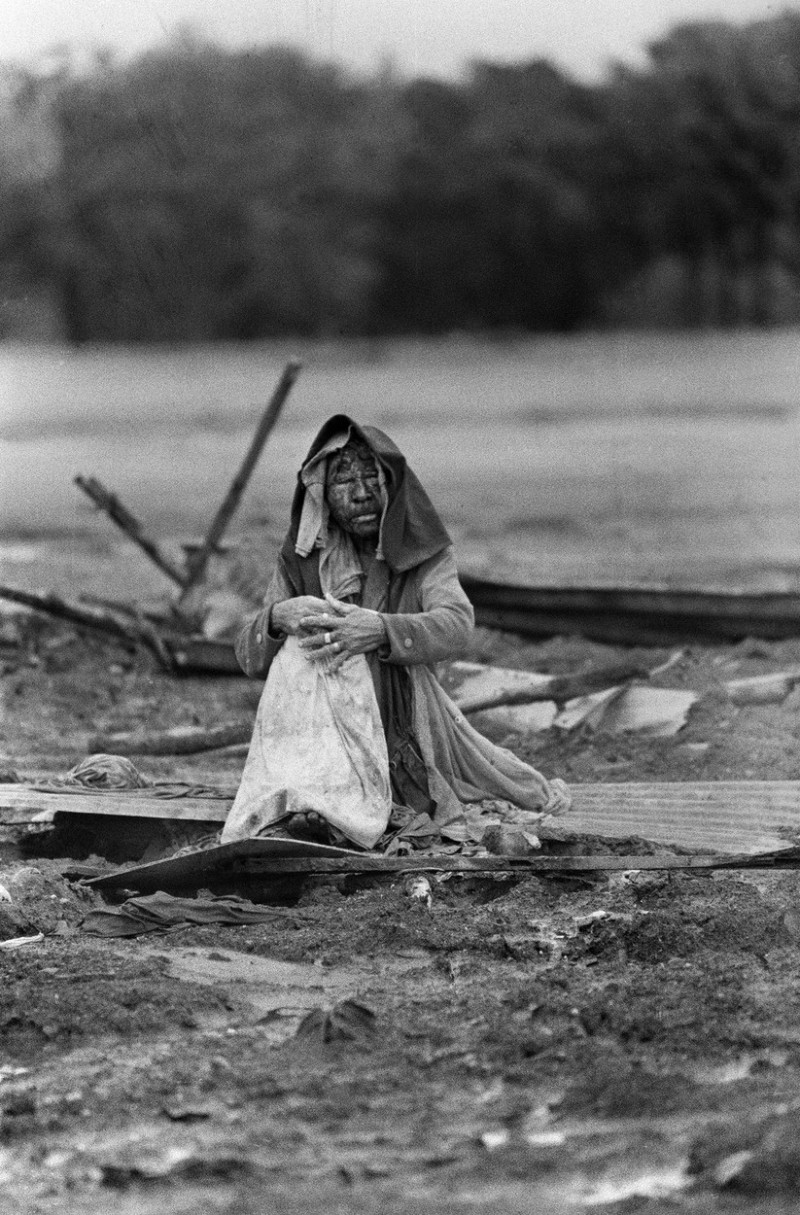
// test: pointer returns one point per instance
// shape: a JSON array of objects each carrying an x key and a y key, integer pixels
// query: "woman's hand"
[
  {"x": 341, "y": 631},
  {"x": 288, "y": 616}
]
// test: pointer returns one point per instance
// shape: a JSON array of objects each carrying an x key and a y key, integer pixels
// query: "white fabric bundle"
[{"x": 318, "y": 744}]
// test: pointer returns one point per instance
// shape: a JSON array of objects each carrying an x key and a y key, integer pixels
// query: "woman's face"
[{"x": 354, "y": 493}]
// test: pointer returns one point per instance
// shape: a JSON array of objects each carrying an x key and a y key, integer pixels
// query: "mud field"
[
  {"x": 627, "y": 1043},
  {"x": 624, "y": 1043}
]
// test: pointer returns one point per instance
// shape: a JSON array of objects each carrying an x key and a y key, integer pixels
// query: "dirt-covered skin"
[{"x": 525, "y": 1055}]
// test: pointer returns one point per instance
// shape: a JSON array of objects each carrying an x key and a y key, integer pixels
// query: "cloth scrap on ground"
[
  {"x": 107, "y": 772},
  {"x": 467, "y": 833},
  {"x": 161, "y": 912},
  {"x": 102, "y": 774}
]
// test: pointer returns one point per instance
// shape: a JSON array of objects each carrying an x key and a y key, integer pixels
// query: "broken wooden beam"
[
  {"x": 110, "y": 504},
  {"x": 133, "y": 633},
  {"x": 198, "y": 562}
]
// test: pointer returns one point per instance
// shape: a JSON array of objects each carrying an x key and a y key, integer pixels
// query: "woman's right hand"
[{"x": 286, "y": 617}]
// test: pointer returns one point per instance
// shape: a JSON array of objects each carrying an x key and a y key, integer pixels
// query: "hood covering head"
[
  {"x": 411, "y": 530},
  {"x": 315, "y": 514}
]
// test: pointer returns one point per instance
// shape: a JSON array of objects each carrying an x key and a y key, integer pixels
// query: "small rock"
[
  {"x": 695, "y": 750},
  {"x": 761, "y": 689},
  {"x": 508, "y": 841},
  {"x": 418, "y": 887},
  {"x": 17, "y": 1104}
]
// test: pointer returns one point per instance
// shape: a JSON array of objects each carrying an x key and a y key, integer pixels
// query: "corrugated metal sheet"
[{"x": 716, "y": 816}]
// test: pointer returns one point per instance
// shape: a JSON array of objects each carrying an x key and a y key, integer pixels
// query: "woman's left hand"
[{"x": 345, "y": 631}]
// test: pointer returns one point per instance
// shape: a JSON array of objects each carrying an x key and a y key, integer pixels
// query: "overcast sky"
[{"x": 421, "y": 36}]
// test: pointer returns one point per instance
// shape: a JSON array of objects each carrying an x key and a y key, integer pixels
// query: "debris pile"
[
  {"x": 215, "y": 610},
  {"x": 611, "y": 698}
]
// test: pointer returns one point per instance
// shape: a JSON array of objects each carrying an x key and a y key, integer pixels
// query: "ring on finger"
[{"x": 328, "y": 638}]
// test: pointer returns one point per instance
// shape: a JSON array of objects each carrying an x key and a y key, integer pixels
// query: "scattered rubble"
[
  {"x": 762, "y": 689},
  {"x": 522, "y": 702},
  {"x": 583, "y": 1037}
]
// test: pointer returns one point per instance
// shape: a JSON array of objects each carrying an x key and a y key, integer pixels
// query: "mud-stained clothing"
[{"x": 438, "y": 762}]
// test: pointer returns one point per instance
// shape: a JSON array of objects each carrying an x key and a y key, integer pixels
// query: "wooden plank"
[
  {"x": 372, "y": 863},
  {"x": 249, "y": 859},
  {"x": 715, "y": 816},
  {"x": 21, "y": 799},
  {"x": 788, "y": 859}
]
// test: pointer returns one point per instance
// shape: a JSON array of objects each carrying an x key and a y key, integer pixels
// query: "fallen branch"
[
  {"x": 598, "y": 679},
  {"x": 117, "y": 513},
  {"x": 182, "y": 740},
  {"x": 133, "y": 634},
  {"x": 199, "y": 561},
  {"x": 559, "y": 688}
]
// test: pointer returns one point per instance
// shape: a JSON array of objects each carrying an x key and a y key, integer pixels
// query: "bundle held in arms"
[{"x": 318, "y": 745}]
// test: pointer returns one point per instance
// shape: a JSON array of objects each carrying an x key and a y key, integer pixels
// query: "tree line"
[{"x": 199, "y": 194}]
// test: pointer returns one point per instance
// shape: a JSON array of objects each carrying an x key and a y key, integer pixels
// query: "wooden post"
[
  {"x": 197, "y": 564},
  {"x": 124, "y": 520}
]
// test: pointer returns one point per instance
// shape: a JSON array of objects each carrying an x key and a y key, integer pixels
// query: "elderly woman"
[{"x": 367, "y": 569}]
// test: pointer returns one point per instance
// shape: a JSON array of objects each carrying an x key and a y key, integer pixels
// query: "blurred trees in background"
[{"x": 201, "y": 194}]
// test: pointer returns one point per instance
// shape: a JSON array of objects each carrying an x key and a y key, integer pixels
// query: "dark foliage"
[{"x": 201, "y": 194}]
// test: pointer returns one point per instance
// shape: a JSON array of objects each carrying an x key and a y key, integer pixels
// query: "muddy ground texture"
[{"x": 627, "y": 1042}]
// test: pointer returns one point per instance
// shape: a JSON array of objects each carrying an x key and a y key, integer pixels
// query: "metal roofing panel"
[{"x": 715, "y": 816}]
